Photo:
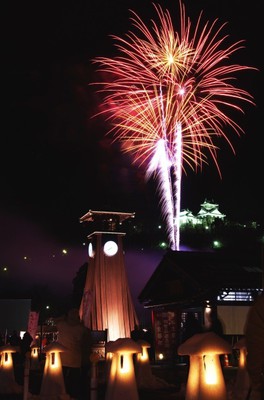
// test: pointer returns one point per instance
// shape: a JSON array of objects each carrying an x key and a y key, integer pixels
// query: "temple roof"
[{"x": 186, "y": 277}]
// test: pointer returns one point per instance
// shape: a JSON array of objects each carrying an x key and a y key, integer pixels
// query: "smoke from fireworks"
[{"x": 166, "y": 94}]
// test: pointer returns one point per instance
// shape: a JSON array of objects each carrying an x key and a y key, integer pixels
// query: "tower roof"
[{"x": 108, "y": 220}]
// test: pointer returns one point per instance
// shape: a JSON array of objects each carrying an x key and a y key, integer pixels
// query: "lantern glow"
[
  {"x": 34, "y": 352},
  {"x": 210, "y": 369},
  {"x": 143, "y": 356},
  {"x": 205, "y": 379},
  {"x": 53, "y": 381},
  {"x": 54, "y": 360},
  {"x": 7, "y": 359},
  {"x": 121, "y": 379},
  {"x": 242, "y": 358},
  {"x": 6, "y": 356},
  {"x": 8, "y": 384},
  {"x": 242, "y": 381},
  {"x": 125, "y": 364},
  {"x": 144, "y": 376}
]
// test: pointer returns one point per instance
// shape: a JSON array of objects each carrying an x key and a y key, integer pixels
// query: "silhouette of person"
[
  {"x": 2, "y": 340},
  {"x": 25, "y": 344},
  {"x": 15, "y": 340},
  {"x": 254, "y": 338},
  {"x": 75, "y": 360},
  {"x": 216, "y": 325},
  {"x": 191, "y": 326}
]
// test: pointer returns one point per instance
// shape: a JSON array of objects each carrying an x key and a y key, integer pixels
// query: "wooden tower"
[{"x": 107, "y": 303}]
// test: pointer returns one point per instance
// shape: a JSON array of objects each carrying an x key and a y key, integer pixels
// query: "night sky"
[{"x": 57, "y": 161}]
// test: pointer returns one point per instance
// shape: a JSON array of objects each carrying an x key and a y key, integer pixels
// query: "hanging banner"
[{"x": 33, "y": 323}]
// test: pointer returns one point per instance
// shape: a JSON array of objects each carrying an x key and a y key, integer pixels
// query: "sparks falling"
[{"x": 166, "y": 93}]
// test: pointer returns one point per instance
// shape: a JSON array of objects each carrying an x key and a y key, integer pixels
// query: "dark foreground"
[{"x": 175, "y": 376}]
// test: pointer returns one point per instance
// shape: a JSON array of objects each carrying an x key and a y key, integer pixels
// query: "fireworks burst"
[{"x": 165, "y": 95}]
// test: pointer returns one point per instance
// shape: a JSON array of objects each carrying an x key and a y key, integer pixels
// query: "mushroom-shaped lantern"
[
  {"x": 34, "y": 358},
  {"x": 143, "y": 371},
  {"x": 108, "y": 357},
  {"x": 144, "y": 376},
  {"x": 8, "y": 384},
  {"x": 122, "y": 381},
  {"x": 242, "y": 382},
  {"x": 205, "y": 379},
  {"x": 52, "y": 384},
  {"x": 143, "y": 356},
  {"x": 94, "y": 359}
]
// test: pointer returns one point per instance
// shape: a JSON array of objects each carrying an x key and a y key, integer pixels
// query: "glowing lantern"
[
  {"x": 34, "y": 358},
  {"x": 122, "y": 381},
  {"x": 143, "y": 356},
  {"x": 142, "y": 366},
  {"x": 145, "y": 378},
  {"x": 94, "y": 358},
  {"x": 8, "y": 384},
  {"x": 108, "y": 358},
  {"x": 242, "y": 384},
  {"x": 52, "y": 386},
  {"x": 205, "y": 379}
]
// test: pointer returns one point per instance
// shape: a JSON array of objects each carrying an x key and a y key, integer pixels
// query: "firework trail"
[{"x": 166, "y": 94}]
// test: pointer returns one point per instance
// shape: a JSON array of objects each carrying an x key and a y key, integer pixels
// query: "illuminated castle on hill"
[{"x": 206, "y": 216}]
